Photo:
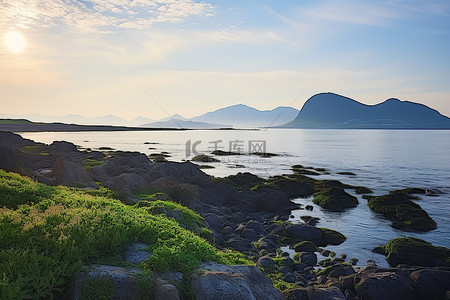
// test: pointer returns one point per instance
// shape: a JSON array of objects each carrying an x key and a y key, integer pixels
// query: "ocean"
[{"x": 382, "y": 160}]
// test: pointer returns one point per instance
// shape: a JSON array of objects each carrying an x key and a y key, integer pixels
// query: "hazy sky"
[{"x": 156, "y": 57}]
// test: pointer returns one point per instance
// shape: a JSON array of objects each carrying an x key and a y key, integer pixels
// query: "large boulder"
[
  {"x": 70, "y": 173},
  {"x": 404, "y": 213},
  {"x": 221, "y": 282},
  {"x": 324, "y": 293},
  {"x": 334, "y": 199},
  {"x": 416, "y": 252},
  {"x": 305, "y": 233},
  {"x": 431, "y": 283},
  {"x": 386, "y": 285}
]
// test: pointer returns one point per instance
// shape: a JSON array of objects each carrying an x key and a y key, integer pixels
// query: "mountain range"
[
  {"x": 329, "y": 110},
  {"x": 324, "y": 110}
]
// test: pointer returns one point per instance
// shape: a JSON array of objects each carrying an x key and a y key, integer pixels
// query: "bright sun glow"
[{"x": 15, "y": 41}]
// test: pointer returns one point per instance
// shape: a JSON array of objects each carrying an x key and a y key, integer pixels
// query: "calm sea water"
[{"x": 382, "y": 160}]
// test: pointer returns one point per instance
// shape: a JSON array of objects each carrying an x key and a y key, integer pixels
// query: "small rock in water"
[{"x": 309, "y": 207}]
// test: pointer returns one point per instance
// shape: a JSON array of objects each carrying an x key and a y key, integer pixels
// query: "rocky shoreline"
[{"x": 251, "y": 215}]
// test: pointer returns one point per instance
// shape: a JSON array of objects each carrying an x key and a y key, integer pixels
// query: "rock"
[
  {"x": 266, "y": 243},
  {"x": 325, "y": 253},
  {"x": 431, "y": 283},
  {"x": 309, "y": 207},
  {"x": 204, "y": 158},
  {"x": 293, "y": 188},
  {"x": 166, "y": 291},
  {"x": 337, "y": 270},
  {"x": 305, "y": 232},
  {"x": 334, "y": 199},
  {"x": 289, "y": 278},
  {"x": 353, "y": 261},
  {"x": 321, "y": 293},
  {"x": 385, "y": 285},
  {"x": 296, "y": 294},
  {"x": 122, "y": 282},
  {"x": 416, "y": 252},
  {"x": 249, "y": 234},
  {"x": 310, "y": 220},
  {"x": 136, "y": 254},
  {"x": 221, "y": 282},
  {"x": 243, "y": 181},
  {"x": 72, "y": 174},
  {"x": 127, "y": 184},
  {"x": 255, "y": 225},
  {"x": 305, "y": 246},
  {"x": 239, "y": 244},
  {"x": 265, "y": 262},
  {"x": 404, "y": 213},
  {"x": 308, "y": 258},
  {"x": 331, "y": 237},
  {"x": 214, "y": 221}
]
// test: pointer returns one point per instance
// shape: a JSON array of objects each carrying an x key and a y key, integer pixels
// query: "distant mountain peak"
[{"x": 330, "y": 110}]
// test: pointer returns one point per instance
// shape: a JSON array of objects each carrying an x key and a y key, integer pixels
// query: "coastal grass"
[{"x": 47, "y": 233}]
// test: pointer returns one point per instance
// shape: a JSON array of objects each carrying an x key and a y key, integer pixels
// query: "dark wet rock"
[
  {"x": 362, "y": 190},
  {"x": 308, "y": 258},
  {"x": 305, "y": 246},
  {"x": 298, "y": 169},
  {"x": 346, "y": 173},
  {"x": 250, "y": 234},
  {"x": 239, "y": 244},
  {"x": 267, "y": 244},
  {"x": 165, "y": 291},
  {"x": 310, "y": 220},
  {"x": 309, "y": 207},
  {"x": 205, "y": 167},
  {"x": 325, "y": 293},
  {"x": 225, "y": 153},
  {"x": 289, "y": 278},
  {"x": 257, "y": 226},
  {"x": 221, "y": 282},
  {"x": 384, "y": 285},
  {"x": 404, "y": 213},
  {"x": 264, "y": 154},
  {"x": 353, "y": 261},
  {"x": 416, "y": 252},
  {"x": 71, "y": 174},
  {"x": 325, "y": 252},
  {"x": 334, "y": 199},
  {"x": 214, "y": 221},
  {"x": 293, "y": 188},
  {"x": 332, "y": 237},
  {"x": 242, "y": 180},
  {"x": 305, "y": 233},
  {"x": 296, "y": 294},
  {"x": 337, "y": 270},
  {"x": 204, "y": 158},
  {"x": 431, "y": 283},
  {"x": 265, "y": 262}
]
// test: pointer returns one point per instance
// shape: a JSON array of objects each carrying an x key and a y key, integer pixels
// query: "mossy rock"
[
  {"x": 332, "y": 237},
  {"x": 416, "y": 252},
  {"x": 305, "y": 246},
  {"x": 293, "y": 188},
  {"x": 362, "y": 190},
  {"x": 204, "y": 158},
  {"x": 405, "y": 214},
  {"x": 334, "y": 199}
]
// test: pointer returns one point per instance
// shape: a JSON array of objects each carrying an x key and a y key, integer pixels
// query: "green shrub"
[{"x": 46, "y": 233}]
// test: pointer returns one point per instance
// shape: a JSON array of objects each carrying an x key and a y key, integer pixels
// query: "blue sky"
[{"x": 152, "y": 58}]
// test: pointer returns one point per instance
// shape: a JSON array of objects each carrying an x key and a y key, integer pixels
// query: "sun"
[{"x": 15, "y": 41}]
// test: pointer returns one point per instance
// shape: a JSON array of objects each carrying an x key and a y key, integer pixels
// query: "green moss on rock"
[
  {"x": 404, "y": 213},
  {"x": 334, "y": 199},
  {"x": 416, "y": 252}
]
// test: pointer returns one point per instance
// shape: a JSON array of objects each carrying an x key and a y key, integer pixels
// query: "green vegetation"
[
  {"x": 38, "y": 149},
  {"x": 100, "y": 288},
  {"x": 47, "y": 233},
  {"x": 405, "y": 214},
  {"x": 413, "y": 251},
  {"x": 89, "y": 163},
  {"x": 334, "y": 199}
]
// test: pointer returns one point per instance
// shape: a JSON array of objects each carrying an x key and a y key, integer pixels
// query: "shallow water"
[{"x": 382, "y": 160}]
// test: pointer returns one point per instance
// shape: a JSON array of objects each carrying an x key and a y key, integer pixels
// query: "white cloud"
[{"x": 98, "y": 15}]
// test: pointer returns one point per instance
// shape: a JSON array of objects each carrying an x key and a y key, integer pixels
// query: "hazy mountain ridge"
[
  {"x": 179, "y": 123},
  {"x": 329, "y": 110},
  {"x": 241, "y": 115}
]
